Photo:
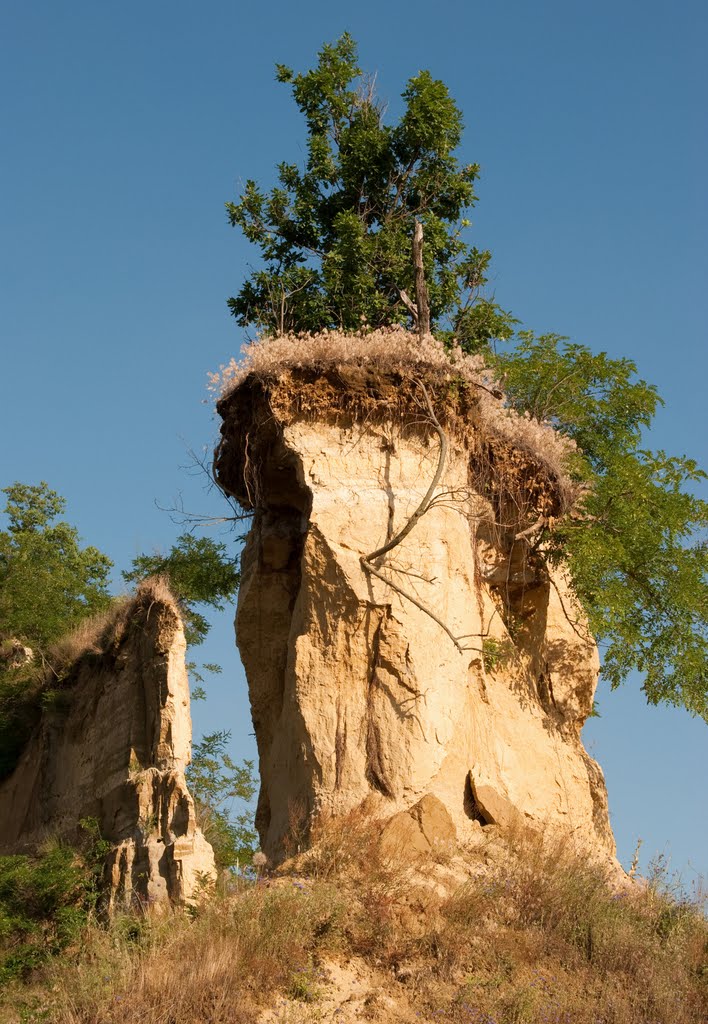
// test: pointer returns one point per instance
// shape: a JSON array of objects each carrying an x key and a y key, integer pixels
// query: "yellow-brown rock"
[
  {"x": 424, "y": 829},
  {"x": 468, "y": 681},
  {"x": 114, "y": 749}
]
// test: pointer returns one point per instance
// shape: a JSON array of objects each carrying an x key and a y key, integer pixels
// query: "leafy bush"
[
  {"x": 215, "y": 781},
  {"x": 635, "y": 544},
  {"x": 46, "y": 900},
  {"x": 48, "y": 582},
  {"x": 496, "y": 653},
  {"x": 199, "y": 571},
  {"x": 335, "y": 238}
]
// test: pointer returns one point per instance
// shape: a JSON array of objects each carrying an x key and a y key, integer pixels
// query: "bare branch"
[
  {"x": 200, "y": 464},
  {"x": 366, "y": 560},
  {"x": 410, "y": 306},
  {"x": 423, "y": 507},
  {"x": 181, "y": 517},
  {"x": 413, "y": 575},
  {"x": 418, "y": 604},
  {"x": 534, "y": 528}
]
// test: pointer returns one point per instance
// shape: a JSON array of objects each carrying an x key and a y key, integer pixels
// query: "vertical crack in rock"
[
  {"x": 545, "y": 690},
  {"x": 375, "y": 772},
  {"x": 473, "y": 808},
  {"x": 340, "y": 747}
]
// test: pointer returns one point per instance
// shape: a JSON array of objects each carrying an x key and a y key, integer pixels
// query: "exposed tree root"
[{"x": 368, "y": 560}]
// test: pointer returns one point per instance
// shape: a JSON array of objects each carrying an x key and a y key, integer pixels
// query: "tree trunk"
[{"x": 421, "y": 290}]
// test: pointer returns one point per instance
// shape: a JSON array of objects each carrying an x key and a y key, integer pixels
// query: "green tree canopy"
[
  {"x": 636, "y": 545},
  {"x": 335, "y": 237},
  {"x": 335, "y": 241},
  {"x": 48, "y": 582},
  {"x": 200, "y": 571}
]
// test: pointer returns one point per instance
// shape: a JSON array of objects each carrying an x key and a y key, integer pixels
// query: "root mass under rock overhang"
[{"x": 516, "y": 465}]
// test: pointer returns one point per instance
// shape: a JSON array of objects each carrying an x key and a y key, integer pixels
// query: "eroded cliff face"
[
  {"x": 471, "y": 687},
  {"x": 114, "y": 748},
  {"x": 360, "y": 694}
]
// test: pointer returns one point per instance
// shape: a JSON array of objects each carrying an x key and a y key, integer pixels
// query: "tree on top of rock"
[{"x": 336, "y": 238}]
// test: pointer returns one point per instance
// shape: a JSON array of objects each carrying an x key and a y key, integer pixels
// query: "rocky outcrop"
[
  {"x": 425, "y": 829},
  {"x": 112, "y": 745},
  {"x": 461, "y": 670}
]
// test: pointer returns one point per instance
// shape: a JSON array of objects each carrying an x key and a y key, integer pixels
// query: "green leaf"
[{"x": 200, "y": 572}]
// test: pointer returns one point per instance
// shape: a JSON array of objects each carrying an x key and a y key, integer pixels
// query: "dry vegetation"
[
  {"x": 509, "y": 933},
  {"x": 521, "y": 464},
  {"x": 396, "y": 352},
  {"x": 101, "y": 633}
]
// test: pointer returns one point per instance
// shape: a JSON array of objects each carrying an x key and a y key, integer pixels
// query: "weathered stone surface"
[
  {"x": 427, "y": 826},
  {"x": 358, "y": 694},
  {"x": 115, "y": 749}
]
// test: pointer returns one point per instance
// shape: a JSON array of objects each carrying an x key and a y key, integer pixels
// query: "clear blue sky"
[{"x": 126, "y": 127}]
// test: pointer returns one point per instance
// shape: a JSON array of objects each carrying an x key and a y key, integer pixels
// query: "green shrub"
[
  {"x": 20, "y": 710},
  {"x": 497, "y": 653},
  {"x": 45, "y": 901},
  {"x": 215, "y": 781}
]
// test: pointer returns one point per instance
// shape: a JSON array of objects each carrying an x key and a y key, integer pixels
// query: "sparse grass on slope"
[{"x": 498, "y": 935}]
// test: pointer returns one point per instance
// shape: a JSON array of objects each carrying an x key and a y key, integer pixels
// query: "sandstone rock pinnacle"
[
  {"x": 115, "y": 750},
  {"x": 466, "y": 678}
]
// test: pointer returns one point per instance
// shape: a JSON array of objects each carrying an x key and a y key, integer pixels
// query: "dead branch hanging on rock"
[
  {"x": 367, "y": 560},
  {"x": 430, "y": 493}
]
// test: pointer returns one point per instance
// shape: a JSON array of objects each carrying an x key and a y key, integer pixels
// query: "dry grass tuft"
[
  {"x": 157, "y": 590},
  {"x": 383, "y": 351},
  {"x": 100, "y": 634},
  {"x": 93, "y": 636}
]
